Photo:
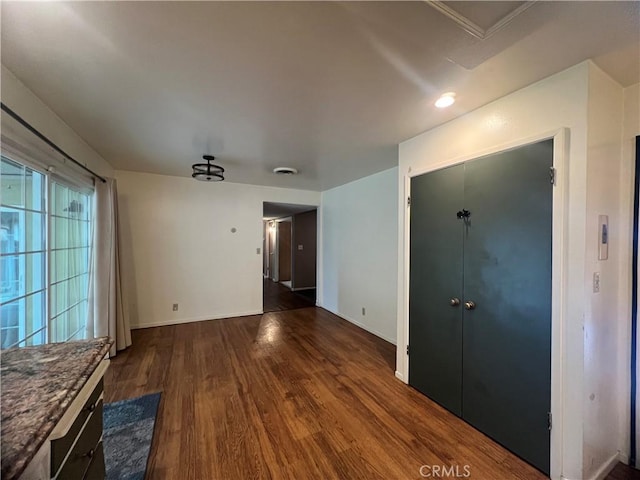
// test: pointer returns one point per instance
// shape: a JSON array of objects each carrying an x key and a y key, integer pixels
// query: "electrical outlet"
[
  {"x": 175, "y": 307},
  {"x": 258, "y": 250},
  {"x": 363, "y": 311},
  {"x": 300, "y": 247},
  {"x": 596, "y": 282}
]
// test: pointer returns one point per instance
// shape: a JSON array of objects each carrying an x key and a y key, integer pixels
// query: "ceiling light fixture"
[
  {"x": 207, "y": 172},
  {"x": 446, "y": 100},
  {"x": 285, "y": 171}
]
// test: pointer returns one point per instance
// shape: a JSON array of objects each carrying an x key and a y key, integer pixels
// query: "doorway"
[{"x": 290, "y": 252}]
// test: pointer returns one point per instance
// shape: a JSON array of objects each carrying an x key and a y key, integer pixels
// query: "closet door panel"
[
  {"x": 507, "y": 274},
  {"x": 435, "y": 326}
]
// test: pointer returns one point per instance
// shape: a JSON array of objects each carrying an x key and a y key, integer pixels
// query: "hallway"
[{"x": 277, "y": 297}]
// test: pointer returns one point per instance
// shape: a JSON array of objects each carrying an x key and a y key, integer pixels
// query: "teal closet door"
[
  {"x": 506, "y": 384},
  {"x": 435, "y": 326}
]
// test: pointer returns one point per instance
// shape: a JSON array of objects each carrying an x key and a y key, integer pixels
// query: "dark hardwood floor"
[
  {"x": 624, "y": 472},
  {"x": 277, "y": 297},
  {"x": 297, "y": 395}
]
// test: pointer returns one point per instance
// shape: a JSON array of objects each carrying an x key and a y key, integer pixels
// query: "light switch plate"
[{"x": 299, "y": 247}]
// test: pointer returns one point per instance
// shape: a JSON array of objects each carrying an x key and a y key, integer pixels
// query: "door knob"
[
  {"x": 470, "y": 305},
  {"x": 454, "y": 302}
]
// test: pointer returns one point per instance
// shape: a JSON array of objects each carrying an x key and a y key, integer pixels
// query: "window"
[
  {"x": 23, "y": 285},
  {"x": 69, "y": 262},
  {"x": 44, "y": 262}
]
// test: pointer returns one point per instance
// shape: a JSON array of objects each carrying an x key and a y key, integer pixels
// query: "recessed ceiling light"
[
  {"x": 285, "y": 171},
  {"x": 446, "y": 100}
]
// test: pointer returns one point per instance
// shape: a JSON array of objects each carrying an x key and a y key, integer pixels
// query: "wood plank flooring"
[
  {"x": 624, "y": 472},
  {"x": 297, "y": 395},
  {"x": 277, "y": 297}
]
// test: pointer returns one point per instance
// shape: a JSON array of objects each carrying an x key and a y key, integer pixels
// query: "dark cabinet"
[{"x": 79, "y": 454}]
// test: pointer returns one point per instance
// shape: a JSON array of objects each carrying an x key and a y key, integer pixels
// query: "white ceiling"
[{"x": 329, "y": 88}]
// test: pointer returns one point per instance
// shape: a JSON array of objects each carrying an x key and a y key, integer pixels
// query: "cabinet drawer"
[
  {"x": 61, "y": 446},
  {"x": 85, "y": 448},
  {"x": 96, "y": 470}
]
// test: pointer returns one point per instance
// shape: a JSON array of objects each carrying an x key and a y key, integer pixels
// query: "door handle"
[
  {"x": 470, "y": 305},
  {"x": 454, "y": 302}
]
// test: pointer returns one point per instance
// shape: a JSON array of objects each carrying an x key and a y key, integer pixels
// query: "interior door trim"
[{"x": 559, "y": 280}]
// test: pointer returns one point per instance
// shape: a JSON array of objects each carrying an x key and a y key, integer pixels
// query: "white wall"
[
  {"x": 25, "y": 103},
  {"x": 179, "y": 247},
  {"x": 551, "y": 104},
  {"x": 359, "y": 252},
  {"x": 603, "y": 326}
]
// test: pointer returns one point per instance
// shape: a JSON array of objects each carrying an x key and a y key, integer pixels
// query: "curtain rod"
[{"x": 33, "y": 130}]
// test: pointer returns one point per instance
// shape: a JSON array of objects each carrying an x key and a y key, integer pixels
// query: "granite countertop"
[{"x": 38, "y": 385}]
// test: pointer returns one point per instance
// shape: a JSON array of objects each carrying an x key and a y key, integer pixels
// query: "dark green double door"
[{"x": 480, "y": 295}]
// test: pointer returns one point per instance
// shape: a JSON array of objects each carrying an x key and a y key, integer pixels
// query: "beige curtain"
[{"x": 108, "y": 303}]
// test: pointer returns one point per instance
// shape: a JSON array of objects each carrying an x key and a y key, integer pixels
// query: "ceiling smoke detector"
[{"x": 285, "y": 171}]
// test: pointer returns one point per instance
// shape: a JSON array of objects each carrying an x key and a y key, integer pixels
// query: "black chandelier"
[{"x": 207, "y": 172}]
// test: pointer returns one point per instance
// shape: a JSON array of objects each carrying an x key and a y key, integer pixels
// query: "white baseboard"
[
  {"x": 605, "y": 468},
  {"x": 623, "y": 458},
  {"x": 178, "y": 321},
  {"x": 400, "y": 376},
  {"x": 361, "y": 325}
]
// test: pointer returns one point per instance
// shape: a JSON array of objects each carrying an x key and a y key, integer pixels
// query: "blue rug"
[{"x": 127, "y": 434}]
